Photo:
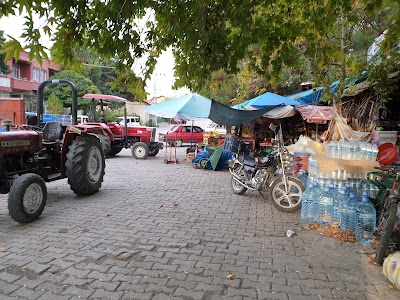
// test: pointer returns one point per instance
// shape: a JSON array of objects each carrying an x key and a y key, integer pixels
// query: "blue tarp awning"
[
  {"x": 195, "y": 106},
  {"x": 308, "y": 97},
  {"x": 314, "y": 95},
  {"x": 265, "y": 100}
]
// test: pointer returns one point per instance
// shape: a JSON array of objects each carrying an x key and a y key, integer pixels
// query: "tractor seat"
[{"x": 52, "y": 133}]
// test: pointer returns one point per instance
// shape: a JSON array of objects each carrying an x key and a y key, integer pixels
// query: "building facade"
[{"x": 24, "y": 78}]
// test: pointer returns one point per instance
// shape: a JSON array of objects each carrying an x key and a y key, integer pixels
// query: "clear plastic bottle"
[
  {"x": 338, "y": 204},
  {"x": 348, "y": 213},
  {"x": 365, "y": 221},
  {"x": 303, "y": 177},
  {"x": 308, "y": 204},
  {"x": 325, "y": 207}
]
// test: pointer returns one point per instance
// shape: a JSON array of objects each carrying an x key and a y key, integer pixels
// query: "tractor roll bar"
[{"x": 40, "y": 104}]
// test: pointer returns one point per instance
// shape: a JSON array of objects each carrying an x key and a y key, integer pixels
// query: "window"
[
  {"x": 36, "y": 74},
  {"x": 16, "y": 73},
  {"x": 43, "y": 75}
]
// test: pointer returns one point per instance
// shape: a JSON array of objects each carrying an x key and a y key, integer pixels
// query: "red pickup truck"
[{"x": 182, "y": 134}]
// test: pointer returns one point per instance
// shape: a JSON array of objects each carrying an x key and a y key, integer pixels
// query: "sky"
[{"x": 160, "y": 84}]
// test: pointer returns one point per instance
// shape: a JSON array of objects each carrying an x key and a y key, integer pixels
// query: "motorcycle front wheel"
[
  {"x": 237, "y": 188},
  {"x": 289, "y": 201}
]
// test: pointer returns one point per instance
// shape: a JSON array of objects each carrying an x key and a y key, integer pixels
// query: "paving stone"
[
  {"x": 234, "y": 292},
  {"x": 8, "y": 288},
  {"x": 102, "y": 294},
  {"x": 325, "y": 292},
  {"x": 74, "y": 281},
  {"x": 271, "y": 295},
  {"x": 129, "y": 295},
  {"x": 51, "y": 296},
  {"x": 37, "y": 268},
  {"x": 108, "y": 286},
  {"x": 81, "y": 293},
  {"x": 201, "y": 286},
  {"x": 50, "y": 287},
  {"x": 24, "y": 292},
  {"x": 6, "y": 277},
  {"x": 76, "y": 272},
  {"x": 129, "y": 286}
]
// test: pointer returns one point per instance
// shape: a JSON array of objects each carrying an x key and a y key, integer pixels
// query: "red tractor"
[
  {"x": 33, "y": 155},
  {"x": 140, "y": 139}
]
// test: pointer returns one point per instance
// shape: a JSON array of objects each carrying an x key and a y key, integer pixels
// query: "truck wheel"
[
  {"x": 85, "y": 165},
  {"x": 114, "y": 151},
  {"x": 27, "y": 198},
  {"x": 153, "y": 152},
  {"x": 140, "y": 150}
]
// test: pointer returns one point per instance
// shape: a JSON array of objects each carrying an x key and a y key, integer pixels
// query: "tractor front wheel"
[
  {"x": 27, "y": 198},
  {"x": 114, "y": 150},
  {"x": 85, "y": 165},
  {"x": 153, "y": 152},
  {"x": 140, "y": 150}
]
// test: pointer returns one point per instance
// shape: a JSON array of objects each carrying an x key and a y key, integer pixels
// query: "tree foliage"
[
  {"x": 64, "y": 93},
  {"x": 54, "y": 104},
  {"x": 213, "y": 35},
  {"x": 3, "y": 66}
]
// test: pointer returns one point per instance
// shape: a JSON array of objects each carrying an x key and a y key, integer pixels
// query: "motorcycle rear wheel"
[
  {"x": 287, "y": 202},
  {"x": 237, "y": 188},
  {"x": 388, "y": 222}
]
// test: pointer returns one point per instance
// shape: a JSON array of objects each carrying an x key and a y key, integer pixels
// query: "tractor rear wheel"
[
  {"x": 140, "y": 150},
  {"x": 27, "y": 198},
  {"x": 105, "y": 142},
  {"x": 85, "y": 165}
]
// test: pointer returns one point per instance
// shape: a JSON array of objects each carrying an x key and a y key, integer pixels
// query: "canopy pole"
[{"x": 191, "y": 135}]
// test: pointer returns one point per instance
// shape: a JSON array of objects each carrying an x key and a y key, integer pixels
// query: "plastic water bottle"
[
  {"x": 348, "y": 210},
  {"x": 308, "y": 204},
  {"x": 303, "y": 177},
  {"x": 338, "y": 205},
  {"x": 325, "y": 207},
  {"x": 365, "y": 221}
]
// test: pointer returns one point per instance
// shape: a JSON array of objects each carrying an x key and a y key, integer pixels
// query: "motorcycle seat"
[{"x": 247, "y": 160}]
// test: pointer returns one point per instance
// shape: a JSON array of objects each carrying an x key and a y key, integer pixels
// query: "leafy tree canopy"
[
  {"x": 3, "y": 67},
  {"x": 64, "y": 93},
  {"x": 210, "y": 35}
]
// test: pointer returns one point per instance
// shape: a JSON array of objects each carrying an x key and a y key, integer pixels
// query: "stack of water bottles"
[
  {"x": 353, "y": 213},
  {"x": 341, "y": 196},
  {"x": 352, "y": 150}
]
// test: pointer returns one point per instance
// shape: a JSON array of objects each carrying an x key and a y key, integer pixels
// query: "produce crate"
[{"x": 384, "y": 135}]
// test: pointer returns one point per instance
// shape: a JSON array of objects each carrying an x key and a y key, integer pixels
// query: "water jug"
[
  {"x": 338, "y": 205},
  {"x": 348, "y": 210},
  {"x": 308, "y": 202},
  {"x": 365, "y": 221},
  {"x": 325, "y": 207}
]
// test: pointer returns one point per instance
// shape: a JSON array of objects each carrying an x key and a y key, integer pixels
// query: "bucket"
[{"x": 387, "y": 154}]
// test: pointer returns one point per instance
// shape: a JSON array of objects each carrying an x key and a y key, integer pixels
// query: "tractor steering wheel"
[{"x": 30, "y": 127}]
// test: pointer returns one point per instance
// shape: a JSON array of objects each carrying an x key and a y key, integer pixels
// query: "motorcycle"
[{"x": 270, "y": 174}]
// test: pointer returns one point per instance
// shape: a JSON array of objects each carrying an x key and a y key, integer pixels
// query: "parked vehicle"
[
  {"x": 140, "y": 139},
  {"x": 82, "y": 119},
  {"x": 33, "y": 155},
  {"x": 182, "y": 134},
  {"x": 216, "y": 128},
  {"x": 130, "y": 121},
  {"x": 270, "y": 175}
]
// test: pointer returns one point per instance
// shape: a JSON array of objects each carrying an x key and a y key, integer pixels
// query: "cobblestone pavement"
[{"x": 166, "y": 231}]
